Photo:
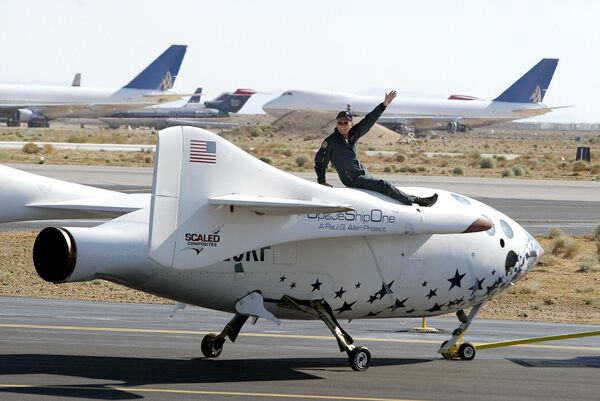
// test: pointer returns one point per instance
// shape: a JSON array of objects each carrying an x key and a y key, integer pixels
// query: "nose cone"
[{"x": 272, "y": 108}]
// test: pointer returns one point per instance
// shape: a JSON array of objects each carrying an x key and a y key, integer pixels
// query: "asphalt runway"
[
  {"x": 538, "y": 205},
  {"x": 55, "y": 349}
]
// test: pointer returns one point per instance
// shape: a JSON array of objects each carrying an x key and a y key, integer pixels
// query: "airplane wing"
[
  {"x": 277, "y": 206},
  {"x": 59, "y": 110},
  {"x": 25, "y": 197},
  {"x": 433, "y": 123},
  {"x": 200, "y": 123}
]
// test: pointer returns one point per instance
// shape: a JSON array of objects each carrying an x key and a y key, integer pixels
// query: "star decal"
[
  {"x": 432, "y": 293},
  {"x": 316, "y": 285},
  {"x": 411, "y": 311},
  {"x": 424, "y": 284},
  {"x": 455, "y": 281},
  {"x": 476, "y": 287},
  {"x": 345, "y": 307},
  {"x": 338, "y": 294},
  {"x": 293, "y": 285},
  {"x": 372, "y": 298},
  {"x": 357, "y": 285},
  {"x": 456, "y": 302},
  {"x": 281, "y": 279},
  {"x": 397, "y": 304},
  {"x": 385, "y": 289},
  {"x": 373, "y": 314},
  {"x": 435, "y": 308},
  {"x": 493, "y": 272}
]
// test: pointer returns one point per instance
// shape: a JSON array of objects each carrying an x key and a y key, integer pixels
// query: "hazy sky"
[{"x": 432, "y": 48}]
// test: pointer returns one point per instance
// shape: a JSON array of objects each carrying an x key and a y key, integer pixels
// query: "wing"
[
  {"x": 200, "y": 123},
  {"x": 26, "y": 197},
  {"x": 278, "y": 206}
]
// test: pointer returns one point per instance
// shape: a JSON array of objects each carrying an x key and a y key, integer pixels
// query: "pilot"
[{"x": 340, "y": 149}]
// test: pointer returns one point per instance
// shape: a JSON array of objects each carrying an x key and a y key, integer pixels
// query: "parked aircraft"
[
  {"x": 457, "y": 113},
  {"x": 36, "y": 104},
  {"x": 192, "y": 113},
  {"x": 223, "y": 230}
]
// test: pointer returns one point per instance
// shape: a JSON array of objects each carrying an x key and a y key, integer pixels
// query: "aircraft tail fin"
[
  {"x": 230, "y": 102},
  {"x": 162, "y": 72},
  {"x": 76, "y": 80},
  {"x": 532, "y": 86},
  {"x": 194, "y": 100}
]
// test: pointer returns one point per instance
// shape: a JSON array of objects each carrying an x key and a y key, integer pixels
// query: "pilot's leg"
[{"x": 375, "y": 184}]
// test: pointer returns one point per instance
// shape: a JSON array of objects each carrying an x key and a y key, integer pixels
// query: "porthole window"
[
  {"x": 506, "y": 228},
  {"x": 461, "y": 199}
]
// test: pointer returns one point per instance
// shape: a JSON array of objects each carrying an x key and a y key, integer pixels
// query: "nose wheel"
[
  {"x": 212, "y": 345},
  {"x": 359, "y": 358},
  {"x": 455, "y": 348}
]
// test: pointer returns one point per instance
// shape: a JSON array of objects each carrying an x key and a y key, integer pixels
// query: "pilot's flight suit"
[{"x": 352, "y": 173}]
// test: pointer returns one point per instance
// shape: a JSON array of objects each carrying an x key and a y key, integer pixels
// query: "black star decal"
[
  {"x": 338, "y": 294},
  {"x": 432, "y": 293},
  {"x": 491, "y": 288},
  {"x": 372, "y": 298},
  {"x": 398, "y": 304},
  {"x": 435, "y": 308},
  {"x": 385, "y": 289},
  {"x": 476, "y": 287},
  {"x": 455, "y": 302},
  {"x": 345, "y": 307},
  {"x": 493, "y": 272},
  {"x": 411, "y": 311},
  {"x": 357, "y": 285},
  {"x": 316, "y": 285},
  {"x": 455, "y": 281},
  {"x": 424, "y": 284},
  {"x": 293, "y": 285},
  {"x": 281, "y": 279},
  {"x": 373, "y": 314}
]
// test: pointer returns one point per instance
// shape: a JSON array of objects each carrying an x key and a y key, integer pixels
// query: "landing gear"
[
  {"x": 359, "y": 358},
  {"x": 455, "y": 348},
  {"x": 212, "y": 344}
]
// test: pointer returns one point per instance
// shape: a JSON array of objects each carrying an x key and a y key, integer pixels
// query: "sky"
[{"x": 420, "y": 48}]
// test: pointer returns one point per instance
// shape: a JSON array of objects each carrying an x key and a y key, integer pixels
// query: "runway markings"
[
  {"x": 202, "y": 392},
  {"x": 522, "y": 342}
]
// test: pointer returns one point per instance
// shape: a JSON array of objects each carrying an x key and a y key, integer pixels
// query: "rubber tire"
[
  {"x": 466, "y": 352},
  {"x": 211, "y": 346},
  {"x": 360, "y": 359}
]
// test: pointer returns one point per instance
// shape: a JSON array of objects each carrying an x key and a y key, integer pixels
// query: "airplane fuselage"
[
  {"x": 404, "y": 108},
  {"x": 360, "y": 277}
]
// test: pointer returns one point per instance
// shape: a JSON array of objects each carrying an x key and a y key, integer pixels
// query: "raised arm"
[{"x": 371, "y": 118}]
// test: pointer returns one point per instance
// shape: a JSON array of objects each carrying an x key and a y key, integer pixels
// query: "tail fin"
[
  {"x": 76, "y": 80},
  {"x": 532, "y": 86},
  {"x": 230, "y": 102},
  {"x": 161, "y": 74},
  {"x": 194, "y": 100}
]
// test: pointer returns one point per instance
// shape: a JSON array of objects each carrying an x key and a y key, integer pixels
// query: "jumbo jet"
[
  {"x": 37, "y": 104},
  {"x": 193, "y": 113},
  {"x": 224, "y": 230},
  {"x": 457, "y": 113}
]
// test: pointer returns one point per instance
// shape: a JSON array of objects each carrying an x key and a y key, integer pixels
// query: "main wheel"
[
  {"x": 212, "y": 345},
  {"x": 466, "y": 352},
  {"x": 360, "y": 358}
]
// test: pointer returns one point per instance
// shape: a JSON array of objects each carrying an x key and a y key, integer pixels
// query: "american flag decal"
[{"x": 203, "y": 151}]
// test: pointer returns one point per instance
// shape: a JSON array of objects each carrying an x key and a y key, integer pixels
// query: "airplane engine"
[
  {"x": 80, "y": 254},
  {"x": 30, "y": 117}
]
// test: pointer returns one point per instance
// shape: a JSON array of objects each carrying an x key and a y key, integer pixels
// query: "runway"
[
  {"x": 538, "y": 205},
  {"x": 107, "y": 351}
]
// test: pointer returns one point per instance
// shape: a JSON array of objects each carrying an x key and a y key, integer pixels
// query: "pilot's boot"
[{"x": 426, "y": 202}]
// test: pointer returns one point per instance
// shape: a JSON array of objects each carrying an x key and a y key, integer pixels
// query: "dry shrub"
[
  {"x": 565, "y": 246},
  {"x": 589, "y": 264},
  {"x": 555, "y": 232}
]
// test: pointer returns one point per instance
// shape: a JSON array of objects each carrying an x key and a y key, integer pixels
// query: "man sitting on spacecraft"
[{"x": 340, "y": 149}]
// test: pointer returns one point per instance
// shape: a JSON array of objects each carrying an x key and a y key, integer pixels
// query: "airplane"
[
  {"x": 37, "y": 104},
  {"x": 223, "y": 230},
  {"x": 76, "y": 80},
  {"x": 456, "y": 114},
  {"x": 192, "y": 113}
]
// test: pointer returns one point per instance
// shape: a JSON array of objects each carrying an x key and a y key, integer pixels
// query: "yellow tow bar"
[{"x": 537, "y": 340}]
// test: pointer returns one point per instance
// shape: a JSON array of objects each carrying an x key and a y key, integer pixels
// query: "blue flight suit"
[{"x": 352, "y": 173}]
